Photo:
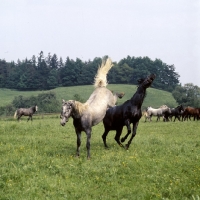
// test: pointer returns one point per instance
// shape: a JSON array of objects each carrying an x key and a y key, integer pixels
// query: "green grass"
[
  {"x": 154, "y": 98},
  {"x": 38, "y": 162}
]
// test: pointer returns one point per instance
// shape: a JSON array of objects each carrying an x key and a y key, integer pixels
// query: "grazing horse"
[
  {"x": 26, "y": 112},
  {"x": 126, "y": 114},
  {"x": 176, "y": 112},
  {"x": 190, "y": 111},
  {"x": 88, "y": 114},
  {"x": 156, "y": 112}
]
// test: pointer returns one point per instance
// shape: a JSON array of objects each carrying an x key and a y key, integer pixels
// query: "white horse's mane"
[{"x": 80, "y": 107}]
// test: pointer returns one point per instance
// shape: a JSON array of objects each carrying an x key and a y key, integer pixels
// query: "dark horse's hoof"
[
  {"x": 106, "y": 147},
  {"x": 126, "y": 146}
]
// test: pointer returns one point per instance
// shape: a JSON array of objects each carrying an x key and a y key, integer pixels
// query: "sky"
[{"x": 168, "y": 30}]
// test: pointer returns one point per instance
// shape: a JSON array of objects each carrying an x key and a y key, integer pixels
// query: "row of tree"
[
  {"x": 43, "y": 73},
  {"x": 187, "y": 95}
]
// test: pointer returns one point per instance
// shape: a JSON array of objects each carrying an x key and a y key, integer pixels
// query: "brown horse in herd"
[{"x": 191, "y": 112}]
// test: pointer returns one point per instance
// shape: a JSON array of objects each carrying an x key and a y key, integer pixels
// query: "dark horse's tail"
[
  {"x": 15, "y": 115},
  {"x": 100, "y": 79}
]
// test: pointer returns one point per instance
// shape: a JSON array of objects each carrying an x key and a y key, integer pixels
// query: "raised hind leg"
[{"x": 135, "y": 125}]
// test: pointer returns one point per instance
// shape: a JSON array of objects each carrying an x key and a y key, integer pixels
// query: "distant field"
[
  {"x": 154, "y": 98},
  {"x": 38, "y": 162}
]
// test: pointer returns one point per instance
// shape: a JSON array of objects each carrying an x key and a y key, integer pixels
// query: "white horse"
[
  {"x": 88, "y": 114},
  {"x": 156, "y": 112}
]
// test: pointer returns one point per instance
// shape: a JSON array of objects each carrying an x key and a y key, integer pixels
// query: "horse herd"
[
  {"x": 101, "y": 106},
  {"x": 167, "y": 113}
]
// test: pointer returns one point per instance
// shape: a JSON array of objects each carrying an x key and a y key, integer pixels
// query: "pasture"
[
  {"x": 155, "y": 96},
  {"x": 38, "y": 162}
]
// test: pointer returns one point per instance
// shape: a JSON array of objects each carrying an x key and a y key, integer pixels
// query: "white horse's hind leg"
[
  {"x": 78, "y": 143},
  {"x": 88, "y": 133}
]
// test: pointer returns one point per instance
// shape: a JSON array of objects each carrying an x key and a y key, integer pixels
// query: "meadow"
[
  {"x": 155, "y": 96},
  {"x": 38, "y": 162}
]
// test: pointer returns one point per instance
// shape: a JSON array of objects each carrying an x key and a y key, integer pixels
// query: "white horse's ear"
[{"x": 63, "y": 101}]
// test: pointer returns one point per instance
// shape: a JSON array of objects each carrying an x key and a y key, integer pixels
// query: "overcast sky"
[{"x": 165, "y": 29}]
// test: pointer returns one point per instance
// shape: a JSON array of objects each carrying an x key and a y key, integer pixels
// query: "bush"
[{"x": 46, "y": 102}]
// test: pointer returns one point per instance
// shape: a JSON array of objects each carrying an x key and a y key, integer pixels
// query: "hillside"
[{"x": 154, "y": 97}]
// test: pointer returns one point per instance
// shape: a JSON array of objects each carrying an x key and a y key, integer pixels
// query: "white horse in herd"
[{"x": 159, "y": 112}]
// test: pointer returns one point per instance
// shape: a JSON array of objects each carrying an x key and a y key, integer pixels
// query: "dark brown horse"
[
  {"x": 26, "y": 112},
  {"x": 191, "y": 112},
  {"x": 126, "y": 114}
]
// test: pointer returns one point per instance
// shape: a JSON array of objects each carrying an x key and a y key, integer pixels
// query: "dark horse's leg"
[
  {"x": 135, "y": 125},
  {"x": 118, "y": 134},
  {"x": 127, "y": 123},
  {"x": 104, "y": 137},
  {"x": 176, "y": 116}
]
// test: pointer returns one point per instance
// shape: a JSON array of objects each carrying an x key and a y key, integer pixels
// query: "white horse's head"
[
  {"x": 67, "y": 107},
  {"x": 149, "y": 107}
]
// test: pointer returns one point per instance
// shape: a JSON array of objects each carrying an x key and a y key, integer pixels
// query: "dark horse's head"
[
  {"x": 146, "y": 82},
  {"x": 66, "y": 111},
  {"x": 180, "y": 108}
]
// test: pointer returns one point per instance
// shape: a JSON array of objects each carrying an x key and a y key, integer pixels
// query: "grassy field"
[
  {"x": 38, "y": 162},
  {"x": 154, "y": 98}
]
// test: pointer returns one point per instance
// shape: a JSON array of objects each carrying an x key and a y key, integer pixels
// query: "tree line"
[
  {"x": 44, "y": 73},
  {"x": 187, "y": 95}
]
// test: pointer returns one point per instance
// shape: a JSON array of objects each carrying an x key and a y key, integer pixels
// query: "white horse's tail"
[
  {"x": 15, "y": 114},
  {"x": 100, "y": 79}
]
